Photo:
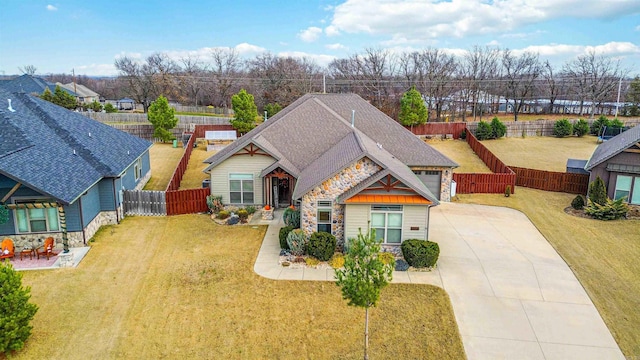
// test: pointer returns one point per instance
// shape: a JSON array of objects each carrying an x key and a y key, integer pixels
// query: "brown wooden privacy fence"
[
  {"x": 551, "y": 181},
  {"x": 454, "y": 129},
  {"x": 187, "y": 201},
  {"x": 178, "y": 173},
  {"x": 495, "y": 183}
]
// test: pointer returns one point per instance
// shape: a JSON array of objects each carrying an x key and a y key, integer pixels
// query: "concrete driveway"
[{"x": 512, "y": 294}]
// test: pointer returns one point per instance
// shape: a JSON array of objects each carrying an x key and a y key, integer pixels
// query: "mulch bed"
[{"x": 634, "y": 213}]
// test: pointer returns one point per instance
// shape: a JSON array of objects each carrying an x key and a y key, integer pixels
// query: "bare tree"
[
  {"x": 191, "y": 78},
  {"x": 479, "y": 65},
  {"x": 226, "y": 68},
  {"x": 28, "y": 69},
  {"x": 520, "y": 73},
  {"x": 552, "y": 86},
  {"x": 283, "y": 79},
  {"x": 595, "y": 78},
  {"x": 144, "y": 82}
]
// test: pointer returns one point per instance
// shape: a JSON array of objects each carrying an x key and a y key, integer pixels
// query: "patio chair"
[
  {"x": 46, "y": 249},
  {"x": 7, "y": 249}
]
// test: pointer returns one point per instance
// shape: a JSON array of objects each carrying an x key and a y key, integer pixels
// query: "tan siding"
[
  {"x": 356, "y": 216},
  {"x": 243, "y": 164},
  {"x": 416, "y": 216}
]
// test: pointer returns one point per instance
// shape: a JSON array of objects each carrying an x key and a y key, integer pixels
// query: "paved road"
[{"x": 513, "y": 296}]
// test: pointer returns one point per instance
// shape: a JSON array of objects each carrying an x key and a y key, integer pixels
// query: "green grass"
[
  {"x": 542, "y": 152},
  {"x": 164, "y": 158},
  {"x": 184, "y": 287},
  {"x": 603, "y": 255}
]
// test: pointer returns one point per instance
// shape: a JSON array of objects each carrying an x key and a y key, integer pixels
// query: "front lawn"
[
  {"x": 603, "y": 255},
  {"x": 542, "y": 152},
  {"x": 183, "y": 287}
]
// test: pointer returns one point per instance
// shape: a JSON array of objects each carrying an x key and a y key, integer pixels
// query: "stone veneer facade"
[
  {"x": 330, "y": 190},
  {"x": 445, "y": 179}
]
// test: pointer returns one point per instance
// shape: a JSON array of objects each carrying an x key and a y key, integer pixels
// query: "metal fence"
[{"x": 144, "y": 202}]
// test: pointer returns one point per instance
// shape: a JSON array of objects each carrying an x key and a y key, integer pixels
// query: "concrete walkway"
[{"x": 512, "y": 294}]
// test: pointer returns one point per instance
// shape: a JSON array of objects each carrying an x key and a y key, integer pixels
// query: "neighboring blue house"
[{"x": 58, "y": 165}]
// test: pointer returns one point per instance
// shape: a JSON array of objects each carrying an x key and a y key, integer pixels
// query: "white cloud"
[
  {"x": 51, "y": 8},
  {"x": 310, "y": 34},
  {"x": 331, "y": 31},
  {"x": 493, "y": 43},
  {"x": 336, "y": 46},
  {"x": 97, "y": 70},
  {"x": 246, "y": 48},
  {"x": 320, "y": 59},
  {"x": 414, "y": 21},
  {"x": 608, "y": 49},
  {"x": 638, "y": 28}
]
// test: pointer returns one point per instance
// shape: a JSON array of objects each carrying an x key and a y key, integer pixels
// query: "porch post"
[{"x": 63, "y": 226}]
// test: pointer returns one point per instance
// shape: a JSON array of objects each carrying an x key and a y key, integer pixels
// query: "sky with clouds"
[{"x": 61, "y": 36}]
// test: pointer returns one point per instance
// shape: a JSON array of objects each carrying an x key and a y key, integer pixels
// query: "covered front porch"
[{"x": 278, "y": 188}]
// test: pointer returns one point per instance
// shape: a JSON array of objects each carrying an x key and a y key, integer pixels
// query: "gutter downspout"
[
  {"x": 84, "y": 236},
  {"x": 115, "y": 201}
]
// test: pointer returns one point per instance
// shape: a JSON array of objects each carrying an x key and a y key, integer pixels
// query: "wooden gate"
[{"x": 143, "y": 202}]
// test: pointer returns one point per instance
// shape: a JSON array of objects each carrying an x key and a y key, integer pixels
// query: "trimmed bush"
[
  {"x": 243, "y": 214},
  {"x": 578, "y": 203},
  {"x": 387, "y": 258},
  {"x": 484, "y": 131},
  {"x": 223, "y": 214},
  {"x": 611, "y": 210},
  {"x": 562, "y": 128},
  {"x": 336, "y": 261},
  {"x": 463, "y": 134},
  {"x": 420, "y": 253},
  {"x": 598, "y": 191},
  {"x": 250, "y": 209},
  {"x": 15, "y": 309},
  {"x": 214, "y": 203},
  {"x": 580, "y": 128},
  {"x": 507, "y": 191},
  {"x": 321, "y": 245},
  {"x": 284, "y": 232},
  {"x": 297, "y": 242},
  {"x": 401, "y": 265},
  {"x": 291, "y": 217},
  {"x": 615, "y": 123},
  {"x": 498, "y": 129},
  {"x": 596, "y": 126}
]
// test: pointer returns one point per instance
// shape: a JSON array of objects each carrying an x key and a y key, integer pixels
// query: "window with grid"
[
  {"x": 241, "y": 188},
  {"x": 386, "y": 220},
  {"x": 36, "y": 220},
  {"x": 324, "y": 216}
]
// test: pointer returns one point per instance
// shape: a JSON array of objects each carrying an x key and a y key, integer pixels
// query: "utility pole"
[{"x": 618, "y": 100}]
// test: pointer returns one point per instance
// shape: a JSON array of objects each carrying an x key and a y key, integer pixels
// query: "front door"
[{"x": 284, "y": 193}]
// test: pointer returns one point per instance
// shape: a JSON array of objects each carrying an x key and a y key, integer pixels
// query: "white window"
[
  {"x": 137, "y": 169},
  {"x": 241, "y": 188},
  {"x": 324, "y": 216},
  {"x": 36, "y": 220},
  {"x": 623, "y": 187},
  {"x": 386, "y": 220}
]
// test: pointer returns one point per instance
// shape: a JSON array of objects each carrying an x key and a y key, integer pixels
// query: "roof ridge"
[
  {"x": 66, "y": 135},
  {"x": 333, "y": 112}
]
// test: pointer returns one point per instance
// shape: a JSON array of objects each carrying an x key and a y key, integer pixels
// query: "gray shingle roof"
[
  {"x": 613, "y": 146},
  {"x": 59, "y": 152},
  {"x": 30, "y": 84},
  {"x": 314, "y": 135}
]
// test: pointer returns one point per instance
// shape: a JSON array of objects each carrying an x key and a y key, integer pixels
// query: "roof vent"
[
  {"x": 353, "y": 118},
  {"x": 74, "y": 151},
  {"x": 379, "y": 146},
  {"x": 10, "y": 108},
  {"x": 127, "y": 152}
]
